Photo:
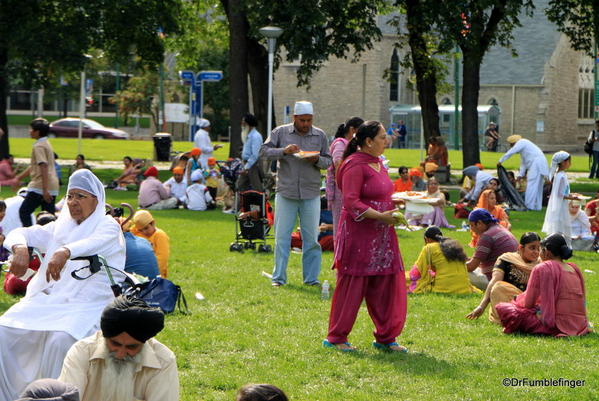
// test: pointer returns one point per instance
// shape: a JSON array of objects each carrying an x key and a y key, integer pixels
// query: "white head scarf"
[
  {"x": 67, "y": 229},
  {"x": 557, "y": 158},
  {"x": 303, "y": 107}
]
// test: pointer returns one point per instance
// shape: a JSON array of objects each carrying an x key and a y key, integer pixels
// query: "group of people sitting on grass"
[{"x": 191, "y": 186}]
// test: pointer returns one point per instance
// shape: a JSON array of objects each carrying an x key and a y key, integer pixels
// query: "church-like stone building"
[{"x": 545, "y": 94}]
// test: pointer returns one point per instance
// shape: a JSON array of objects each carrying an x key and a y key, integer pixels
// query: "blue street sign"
[
  {"x": 188, "y": 77},
  {"x": 211, "y": 76}
]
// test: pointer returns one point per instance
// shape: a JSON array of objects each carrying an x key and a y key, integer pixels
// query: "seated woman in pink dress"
[
  {"x": 554, "y": 301},
  {"x": 367, "y": 257},
  {"x": 7, "y": 174},
  {"x": 437, "y": 216}
]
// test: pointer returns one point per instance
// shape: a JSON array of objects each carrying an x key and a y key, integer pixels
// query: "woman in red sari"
[
  {"x": 554, "y": 301},
  {"x": 367, "y": 257}
]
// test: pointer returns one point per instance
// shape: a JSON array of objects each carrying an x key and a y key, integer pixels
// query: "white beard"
[
  {"x": 118, "y": 378},
  {"x": 245, "y": 131}
]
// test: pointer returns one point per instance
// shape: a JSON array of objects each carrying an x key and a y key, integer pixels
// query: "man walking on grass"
[
  {"x": 43, "y": 187},
  {"x": 301, "y": 151}
]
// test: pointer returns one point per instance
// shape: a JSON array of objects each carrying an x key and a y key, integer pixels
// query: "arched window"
[{"x": 394, "y": 77}]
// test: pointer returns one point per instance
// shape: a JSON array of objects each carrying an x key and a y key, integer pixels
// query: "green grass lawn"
[
  {"x": 246, "y": 331},
  {"x": 99, "y": 149}
]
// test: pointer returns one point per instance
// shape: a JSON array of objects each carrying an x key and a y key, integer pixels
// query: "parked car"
[{"x": 69, "y": 128}]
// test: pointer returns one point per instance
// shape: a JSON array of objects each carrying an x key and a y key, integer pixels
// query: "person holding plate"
[{"x": 298, "y": 189}]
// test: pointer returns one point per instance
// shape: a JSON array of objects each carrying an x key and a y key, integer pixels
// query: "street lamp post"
[
  {"x": 271, "y": 33},
  {"x": 81, "y": 105}
]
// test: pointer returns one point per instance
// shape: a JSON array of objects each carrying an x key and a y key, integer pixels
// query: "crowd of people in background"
[{"x": 67, "y": 325}]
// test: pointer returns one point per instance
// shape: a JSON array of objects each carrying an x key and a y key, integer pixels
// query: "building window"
[
  {"x": 586, "y": 103},
  {"x": 394, "y": 78}
]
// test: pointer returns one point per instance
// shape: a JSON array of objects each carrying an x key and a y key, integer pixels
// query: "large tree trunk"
[
  {"x": 426, "y": 79},
  {"x": 4, "y": 149},
  {"x": 258, "y": 69},
  {"x": 471, "y": 82},
  {"x": 238, "y": 70}
]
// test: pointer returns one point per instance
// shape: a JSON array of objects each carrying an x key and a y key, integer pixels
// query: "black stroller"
[
  {"x": 230, "y": 170},
  {"x": 252, "y": 222}
]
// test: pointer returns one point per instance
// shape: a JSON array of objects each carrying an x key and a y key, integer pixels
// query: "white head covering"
[
  {"x": 197, "y": 175},
  {"x": 303, "y": 107},
  {"x": 203, "y": 123},
  {"x": 557, "y": 158}
]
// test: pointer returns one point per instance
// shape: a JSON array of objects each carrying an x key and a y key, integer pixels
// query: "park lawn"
[
  {"x": 246, "y": 331},
  {"x": 100, "y": 149}
]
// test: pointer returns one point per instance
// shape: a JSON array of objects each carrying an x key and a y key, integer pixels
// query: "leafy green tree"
[
  {"x": 40, "y": 39},
  {"x": 476, "y": 26},
  {"x": 416, "y": 30},
  {"x": 313, "y": 31},
  {"x": 578, "y": 19},
  {"x": 203, "y": 44}
]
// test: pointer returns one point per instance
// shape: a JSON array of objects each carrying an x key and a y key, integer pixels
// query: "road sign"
[
  {"x": 187, "y": 77},
  {"x": 211, "y": 76}
]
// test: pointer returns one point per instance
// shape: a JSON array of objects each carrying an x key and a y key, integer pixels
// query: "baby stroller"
[
  {"x": 252, "y": 222},
  {"x": 230, "y": 170}
]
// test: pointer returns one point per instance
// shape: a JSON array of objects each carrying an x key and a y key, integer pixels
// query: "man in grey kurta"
[{"x": 298, "y": 189}]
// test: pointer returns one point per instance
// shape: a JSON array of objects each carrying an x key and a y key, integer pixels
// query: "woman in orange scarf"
[{"x": 488, "y": 200}]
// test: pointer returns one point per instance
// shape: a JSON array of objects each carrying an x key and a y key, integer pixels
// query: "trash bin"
[{"x": 162, "y": 146}]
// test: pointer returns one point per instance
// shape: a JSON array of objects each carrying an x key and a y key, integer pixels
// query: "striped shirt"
[{"x": 493, "y": 243}]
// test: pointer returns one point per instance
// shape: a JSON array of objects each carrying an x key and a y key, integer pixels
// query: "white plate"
[{"x": 306, "y": 154}]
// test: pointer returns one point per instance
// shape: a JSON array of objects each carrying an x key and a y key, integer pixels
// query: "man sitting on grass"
[
  {"x": 494, "y": 240},
  {"x": 123, "y": 361},
  {"x": 153, "y": 195}
]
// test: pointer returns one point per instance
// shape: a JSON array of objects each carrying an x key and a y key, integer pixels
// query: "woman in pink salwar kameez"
[
  {"x": 554, "y": 301},
  {"x": 344, "y": 134},
  {"x": 367, "y": 257}
]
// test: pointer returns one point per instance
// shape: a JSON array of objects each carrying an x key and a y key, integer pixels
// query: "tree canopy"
[{"x": 40, "y": 39}]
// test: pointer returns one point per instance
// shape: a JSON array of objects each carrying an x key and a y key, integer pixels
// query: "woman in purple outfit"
[{"x": 344, "y": 134}]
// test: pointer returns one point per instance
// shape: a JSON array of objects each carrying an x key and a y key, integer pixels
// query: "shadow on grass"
[{"x": 412, "y": 363}]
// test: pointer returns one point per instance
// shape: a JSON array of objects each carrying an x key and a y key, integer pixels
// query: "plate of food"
[
  {"x": 580, "y": 196},
  {"x": 413, "y": 196},
  {"x": 304, "y": 154}
]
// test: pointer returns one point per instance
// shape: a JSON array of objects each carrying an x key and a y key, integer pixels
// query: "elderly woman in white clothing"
[{"x": 58, "y": 310}]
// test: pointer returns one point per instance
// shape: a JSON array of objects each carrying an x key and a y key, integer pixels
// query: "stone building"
[{"x": 545, "y": 94}]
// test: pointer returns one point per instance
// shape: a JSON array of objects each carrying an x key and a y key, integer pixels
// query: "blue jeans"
[
  {"x": 595, "y": 166},
  {"x": 286, "y": 211}
]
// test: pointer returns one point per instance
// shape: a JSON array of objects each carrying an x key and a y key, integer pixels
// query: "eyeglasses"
[{"x": 78, "y": 197}]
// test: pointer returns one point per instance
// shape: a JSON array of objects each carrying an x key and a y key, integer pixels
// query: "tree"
[
  {"x": 578, "y": 19},
  {"x": 40, "y": 39},
  {"x": 203, "y": 44},
  {"x": 139, "y": 96},
  {"x": 423, "y": 45},
  {"x": 476, "y": 26},
  {"x": 313, "y": 31}
]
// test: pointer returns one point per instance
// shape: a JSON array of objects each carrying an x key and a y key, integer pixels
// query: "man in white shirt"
[
  {"x": 123, "y": 361},
  {"x": 202, "y": 141},
  {"x": 177, "y": 185},
  {"x": 533, "y": 166}
]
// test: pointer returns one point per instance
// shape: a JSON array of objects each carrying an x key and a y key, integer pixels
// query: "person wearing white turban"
[
  {"x": 58, "y": 310},
  {"x": 197, "y": 194},
  {"x": 557, "y": 216},
  {"x": 533, "y": 165},
  {"x": 202, "y": 141}
]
